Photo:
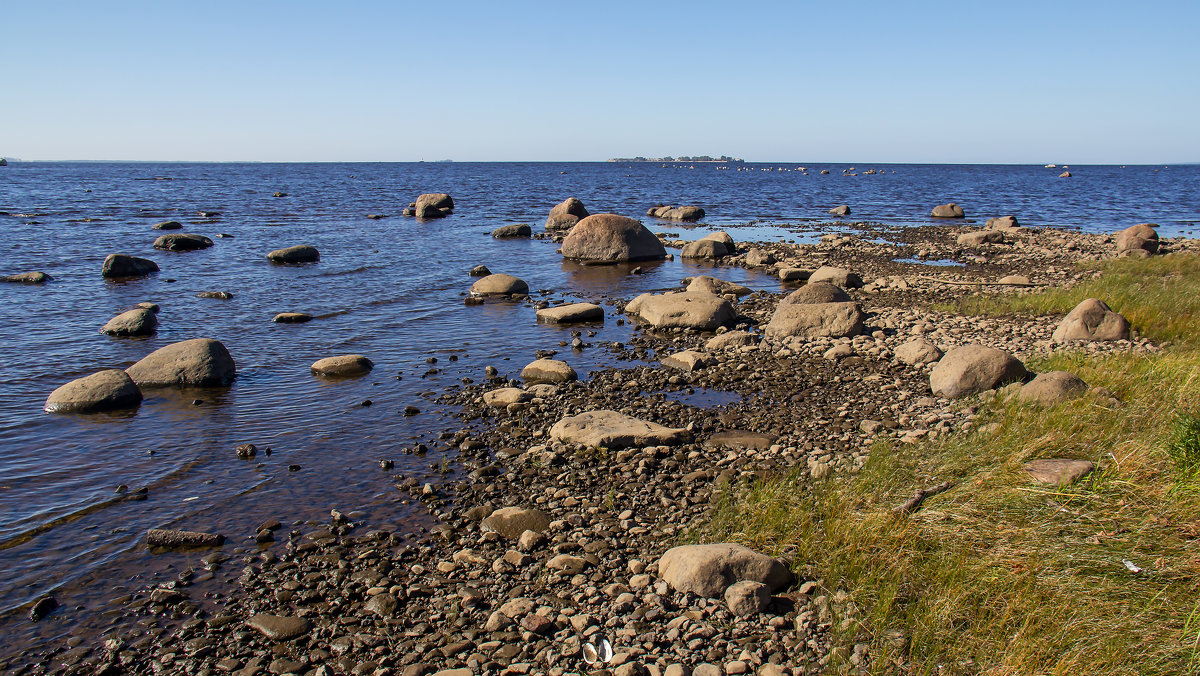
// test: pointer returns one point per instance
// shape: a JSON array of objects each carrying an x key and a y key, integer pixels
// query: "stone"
[
  {"x": 120, "y": 266},
  {"x": 1091, "y": 320},
  {"x": 722, "y": 237},
  {"x": 611, "y": 429},
  {"x": 572, "y": 313},
  {"x": 609, "y": 238},
  {"x": 1016, "y": 280},
  {"x": 383, "y": 605},
  {"x": 971, "y": 369},
  {"x": 512, "y": 522},
  {"x": 704, "y": 248},
  {"x": 560, "y": 222},
  {"x": 167, "y": 225},
  {"x": 166, "y": 537},
  {"x": 747, "y": 597},
  {"x": 570, "y": 565},
  {"x": 708, "y": 570},
  {"x": 741, "y": 440},
  {"x": 531, "y": 540},
  {"x": 816, "y": 320},
  {"x": 221, "y": 295},
  {"x": 840, "y": 210},
  {"x": 343, "y": 366},
  {"x": 714, "y": 286},
  {"x": 292, "y": 318},
  {"x": 295, "y": 255},
  {"x": 570, "y": 207},
  {"x": 838, "y": 352},
  {"x": 1058, "y": 471},
  {"x": 1052, "y": 387},
  {"x": 548, "y": 371},
  {"x": 499, "y": 285},
  {"x": 980, "y": 237},
  {"x": 514, "y": 230},
  {"x": 731, "y": 339},
  {"x": 1142, "y": 236},
  {"x": 837, "y": 276},
  {"x": 182, "y": 242},
  {"x": 1065, "y": 174},
  {"x": 505, "y": 396},
  {"x": 918, "y": 351},
  {"x": 816, "y": 292},
  {"x": 135, "y": 322},
  {"x": 433, "y": 205},
  {"x": 27, "y": 278},
  {"x": 1003, "y": 223},
  {"x": 479, "y": 271},
  {"x": 950, "y": 210},
  {"x": 689, "y": 213},
  {"x": 794, "y": 274},
  {"x": 279, "y": 627},
  {"x": 200, "y": 362},
  {"x": 688, "y": 360},
  {"x": 759, "y": 258},
  {"x": 700, "y": 311},
  {"x": 108, "y": 390}
]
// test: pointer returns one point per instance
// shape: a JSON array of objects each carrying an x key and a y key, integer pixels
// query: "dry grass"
[{"x": 1001, "y": 576}]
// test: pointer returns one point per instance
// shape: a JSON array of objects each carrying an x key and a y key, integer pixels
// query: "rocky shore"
[{"x": 547, "y": 545}]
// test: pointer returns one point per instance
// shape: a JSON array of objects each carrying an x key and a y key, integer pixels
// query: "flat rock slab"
[
  {"x": 571, "y": 314},
  {"x": 708, "y": 570},
  {"x": 279, "y": 627},
  {"x": 700, "y": 311},
  {"x": 615, "y": 430},
  {"x": 1058, "y": 471},
  {"x": 688, "y": 360},
  {"x": 504, "y": 396},
  {"x": 741, "y": 440},
  {"x": 511, "y": 522}
]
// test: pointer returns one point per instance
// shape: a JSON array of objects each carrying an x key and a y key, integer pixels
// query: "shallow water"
[{"x": 390, "y": 289}]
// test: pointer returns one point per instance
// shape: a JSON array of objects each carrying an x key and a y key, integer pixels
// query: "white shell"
[
  {"x": 606, "y": 653},
  {"x": 589, "y": 653}
]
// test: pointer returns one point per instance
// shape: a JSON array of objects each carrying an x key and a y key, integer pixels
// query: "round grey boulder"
[
  {"x": 182, "y": 242},
  {"x": 816, "y": 320},
  {"x": 705, "y": 248},
  {"x": 200, "y": 362},
  {"x": 570, "y": 207},
  {"x": 701, "y": 311},
  {"x": 972, "y": 369},
  {"x": 511, "y": 522},
  {"x": 609, "y": 238},
  {"x": 120, "y": 266},
  {"x": 816, "y": 292},
  {"x": 295, "y": 255},
  {"x": 135, "y": 322},
  {"x": 1053, "y": 387},
  {"x": 499, "y": 285},
  {"x": 108, "y": 390},
  {"x": 838, "y": 276}
]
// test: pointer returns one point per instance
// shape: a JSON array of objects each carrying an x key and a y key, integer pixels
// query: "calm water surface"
[{"x": 390, "y": 289}]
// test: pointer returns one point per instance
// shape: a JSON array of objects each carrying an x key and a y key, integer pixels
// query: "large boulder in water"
[
  {"x": 433, "y": 205},
  {"x": 1092, "y": 319},
  {"x": 559, "y": 222},
  {"x": 611, "y": 429},
  {"x": 548, "y": 371},
  {"x": 200, "y": 362},
  {"x": 182, "y": 242},
  {"x": 499, "y": 285},
  {"x": 816, "y": 320},
  {"x": 700, "y": 311},
  {"x": 294, "y": 255},
  {"x": 708, "y": 570},
  {"x": 609, "y": 238},
  {"x": 136, "y": 322},
  {"x": 972, "y": 369},
  {"x": 343, "y": 366},
  {"x": 950, "y": 210},
  {"x": 705, "y": 248},
  {"x": 816, "y": 292},
  {"x": 570, "y": 206},
  {"x": 514, "y": 230},
  {"x": 108, "y": 390},
  {"x": 120, "y": 266},
  {"x": 571, "y": 313}
]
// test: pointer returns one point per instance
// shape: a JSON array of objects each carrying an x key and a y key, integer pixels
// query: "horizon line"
[{"x": 608, "y": 161}]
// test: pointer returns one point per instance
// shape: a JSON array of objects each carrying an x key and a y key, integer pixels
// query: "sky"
[{"x": 954, "y": 82}]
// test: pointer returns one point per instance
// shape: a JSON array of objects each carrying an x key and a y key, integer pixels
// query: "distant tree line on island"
[{"x": 685, "y": 158}]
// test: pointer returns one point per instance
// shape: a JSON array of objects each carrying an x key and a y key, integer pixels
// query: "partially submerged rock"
[
  {"x": 27, "y": 278},
  {"x": 714, "y": 286},
  {"x": 107, "y": 390},
  {"x": 689, "y": 213},
  {"x": 700, "y": 311},
  {"x": 609, "y": 238},
  {"x": 167, "y": 225},
  {"x": 135, "y": 322},
  {"x": 704, "y": 248},
  {"x": 292, "y": 318},
  {"x": 840, "y": 210},
  {"x": 200, "y": 362},
  {"x": 548, "y": 371},
  {"x": 564, "y": 215},
  {"x": 950, "y": 210},
  {"x": 182, "y": 242},
  {"x": 572, "y": 313},
  {"x": 342, "y": 366},
  {"x": 1092, "y": 319},
  {"x": 611, "y": 429},
  {"x": 432, "y": 205},
  {"x": 708, "y": 570},
  {"x": 971, "y": 369},
  {"x": 499, "y": 285},
  {"x": 166, "y": 537},
  {"x": 295, "y": 255},
  {"x": 512, "y": 231},
  {"x": 120, "y": 266}
]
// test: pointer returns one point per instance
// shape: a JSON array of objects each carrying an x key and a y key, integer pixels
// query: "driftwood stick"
[
  {"x": 980, "y": 283},
  {"x": 914, "y": 503}
]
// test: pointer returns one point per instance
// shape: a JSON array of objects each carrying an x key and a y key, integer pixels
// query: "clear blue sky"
[{"x": 1027, "y": 82}]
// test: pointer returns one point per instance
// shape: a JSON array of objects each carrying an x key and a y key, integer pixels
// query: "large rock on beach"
[
  {"x": 572, "y": 313},
  {"x": 1053, "y": 387},
  {"x": 688, "y": 360},
  {"x": 548, "y": 371},
  {"x": 119, "y": 266},
  {"x": 609, "y": 238},
  {"x": 980, "y": 237},
  {"x": 704, "y": 248},
  {"x": 108, "y": 390},
  {"x": 200, "y": 362},
  {"x": 700, "y": 311},
  {"x": 27, "y": 278},
  {"x": 611, "y": 429},
  {"x": 816, "y": 292},
  {"x": 1140, "y": 237},
  {"x": 499, "y": 285},
  {"x": 342, "y": 366},
  {"x": 511, "y": 522},
  {"x": 816, "y": 320},
  {"x": 505, "y": 396},
  {"x": 136, "y": 322},
  {"x": 1003, "y": 223},
  {"x": 714, "y": 286},
  {"x": 708, "y": 570},
  {"x": 950, "y": 210},
  {"x": 1091, "y": 320},
  {"x": 294, "y": 255},
  {"x": 971, "y": 369},
  {"x": 730, "y": 339},
  {"x": 918, "y": 351},
  {"x": 838, "y": 276},
  {"x": 182, "y": 242}
]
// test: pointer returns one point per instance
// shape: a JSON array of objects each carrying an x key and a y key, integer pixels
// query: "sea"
[{"x": 73, "y": 512}]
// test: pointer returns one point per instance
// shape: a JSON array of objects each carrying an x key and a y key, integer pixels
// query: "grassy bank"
[{"x": 998, "y": 575}]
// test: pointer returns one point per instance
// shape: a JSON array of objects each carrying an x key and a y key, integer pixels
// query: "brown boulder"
[
  {"x": 972, "y": 369},
  {"x": 609, "y": 238},
  {"x": 1092, "y": 319},
  {"x": 816, "y": 292},
  {"x": 106, "y": 390},
  {"x": 708, "y": 570},
  {"x": 200, "y": 362},
  {"x": 951, "y": 210}
]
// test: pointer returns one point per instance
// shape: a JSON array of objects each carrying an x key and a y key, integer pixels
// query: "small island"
[{"x": 685, "y": 158}]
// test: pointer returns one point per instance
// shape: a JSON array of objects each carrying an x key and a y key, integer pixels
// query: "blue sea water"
[{"x": 391, "y": 289}]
